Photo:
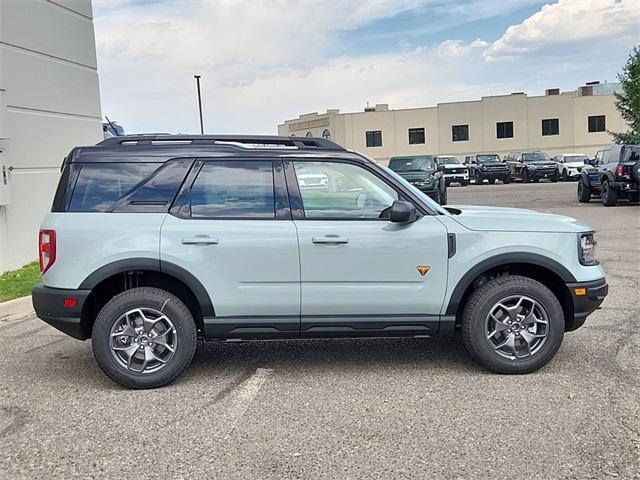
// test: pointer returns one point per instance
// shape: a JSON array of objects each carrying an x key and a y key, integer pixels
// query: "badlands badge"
[{"x": 423, "y": 269}]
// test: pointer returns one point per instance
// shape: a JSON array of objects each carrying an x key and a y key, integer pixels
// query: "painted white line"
[{"x": 244, "y": 395}]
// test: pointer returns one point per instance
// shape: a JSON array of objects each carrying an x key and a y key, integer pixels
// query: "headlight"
[
  {"x": 532, "y": 167},
  {"x": 587, "y": 249}
]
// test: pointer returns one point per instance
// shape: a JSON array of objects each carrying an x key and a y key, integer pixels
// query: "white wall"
[{"x": 49, "y": 103}]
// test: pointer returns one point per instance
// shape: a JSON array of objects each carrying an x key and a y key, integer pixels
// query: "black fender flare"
[
  {"x": 584, "y": 178},
  {"x": 154, "y": 265},
  {"x": 608, "y": 176},
  {"x": 499, "y": 261}
]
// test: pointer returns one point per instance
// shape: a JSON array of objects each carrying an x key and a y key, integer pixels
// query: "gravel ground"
[{"x": 399, "y": 408}]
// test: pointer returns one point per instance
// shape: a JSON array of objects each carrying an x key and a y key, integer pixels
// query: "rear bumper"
[
  {"x": 584, "y": 305},
  {"x": 624, "y": 186},
  {"x": 48, "y": 304}
]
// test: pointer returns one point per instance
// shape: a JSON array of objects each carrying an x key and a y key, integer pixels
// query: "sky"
[{"x": 265, "y": 61}]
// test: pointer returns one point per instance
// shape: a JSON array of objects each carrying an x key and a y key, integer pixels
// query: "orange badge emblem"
[{"x": 423, "y": 269}]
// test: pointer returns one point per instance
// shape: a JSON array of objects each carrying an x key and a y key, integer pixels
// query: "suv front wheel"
[
  {"x": 513, "y": 324},
  {"x": 144, "y": 338}
]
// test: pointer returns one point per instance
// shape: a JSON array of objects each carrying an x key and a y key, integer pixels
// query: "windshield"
[
  {"x": 487, "y": 158},
  {"x": 535, "y": 157},
  {"x": 426, "y": 199},
  {"x": 575, "y": 158},
  {"x": 412, "y": 164},
  {"x": 448, "y": 161}
]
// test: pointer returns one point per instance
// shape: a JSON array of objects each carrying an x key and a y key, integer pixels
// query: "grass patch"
[{"x": 19, "y": 283}]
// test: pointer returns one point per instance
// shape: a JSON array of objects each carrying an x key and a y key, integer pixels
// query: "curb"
[{"x": 20, "y": 307}]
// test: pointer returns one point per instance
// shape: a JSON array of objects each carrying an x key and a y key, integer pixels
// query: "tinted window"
[
  {"x": 448, "y": 161},
  {"x": 242, "y": 189},
  {"x": 550, "y": 126},
  {"x": 504, "y": 130},
  {"x": 416, "y": 136},
  {"x": 597, "y": 124},
  {"x": 100, "y": 185},
  {"x": 342, "y": 191},
  {"x": 374, "y": 138},
  {"x": 460, "y": 133}
]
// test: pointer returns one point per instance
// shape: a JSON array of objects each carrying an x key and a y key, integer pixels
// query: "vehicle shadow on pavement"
[{"x": 345, "y": 354}]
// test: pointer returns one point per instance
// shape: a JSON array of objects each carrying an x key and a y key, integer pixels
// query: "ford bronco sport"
[
  {"x": 532, "y": 166},
  {"x": 154, "y": 242}
]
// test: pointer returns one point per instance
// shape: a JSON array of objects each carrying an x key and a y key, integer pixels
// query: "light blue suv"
[{"x": 154, "y": 242}]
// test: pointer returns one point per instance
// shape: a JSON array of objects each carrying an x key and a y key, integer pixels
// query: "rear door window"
[
  {"x": 234, "y": 189},
  {"x": 100, "y": 185}
]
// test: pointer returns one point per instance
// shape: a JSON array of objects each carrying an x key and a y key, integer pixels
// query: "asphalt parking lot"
[{"x": 400, "y": 408}]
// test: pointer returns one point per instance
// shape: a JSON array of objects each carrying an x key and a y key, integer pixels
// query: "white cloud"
[
  {"x": 265, "y": 61},
  {"x": 568, "y": 23},
  {"x": 457, "y": 48}
]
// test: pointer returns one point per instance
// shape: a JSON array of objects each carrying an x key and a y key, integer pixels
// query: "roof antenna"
[{"x": 115, "y": 132}]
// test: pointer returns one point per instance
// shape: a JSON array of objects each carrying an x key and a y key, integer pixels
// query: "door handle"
[
  {"x": 331, "y": 239},
  {"x": 199, "y": 240}
]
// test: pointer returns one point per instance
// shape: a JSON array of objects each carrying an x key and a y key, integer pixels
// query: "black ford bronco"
[{"x": 614, "y": 175}]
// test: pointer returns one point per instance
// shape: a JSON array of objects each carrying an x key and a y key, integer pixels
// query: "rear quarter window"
[{"x": 100, "y": 185}]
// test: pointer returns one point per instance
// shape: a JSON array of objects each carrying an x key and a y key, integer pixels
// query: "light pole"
[{"x": 197, "y": 77}]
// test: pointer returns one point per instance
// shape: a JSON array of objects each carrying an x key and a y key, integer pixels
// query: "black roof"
[{"x": 160, "y": 147}]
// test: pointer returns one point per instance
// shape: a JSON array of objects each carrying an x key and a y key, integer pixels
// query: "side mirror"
[
  {"x": 403, "y": 212},
  {"x": 441, "y": 168}
]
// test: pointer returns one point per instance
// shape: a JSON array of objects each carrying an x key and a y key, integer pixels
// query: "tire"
[
  {"x": 476, "y": 323},
  {"x": 634, "y": 197},
  {"x": 565, "y": 177},
  {"x": 554, "y": 179},
  {"x": 492, "y": 181},
  {"x": 478, "y": 178},
  {"x": 609, "y": 195},
  {"x": 536, "y": 180},
  {"x": 525, "y": 176},
  {"x": 127, "y": 310},
  {"x": 464, "y": 183},
  {"x": 584, "y": 192},
  {"x": 443, "y": 197},
  {"x": 507, "y": 180}
]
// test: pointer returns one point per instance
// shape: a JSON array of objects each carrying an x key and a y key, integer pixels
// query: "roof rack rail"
[{"x": 245, "y": 141}]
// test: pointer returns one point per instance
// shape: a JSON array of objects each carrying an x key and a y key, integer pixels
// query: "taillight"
[
  {"x": 619, "y": 171},
  {"x": 47, "y": 249}
]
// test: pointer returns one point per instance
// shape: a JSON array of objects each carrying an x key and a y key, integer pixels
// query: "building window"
[
  {"x": 597, "y": 124},
  {"x": 416, "y": 136},
  {"x": 374, "y": 138},
  {"x": 460, "y": 133},
  {"x": 550, "y": 126},
  {"x": 504, "y": 130},
  {"x": 309, "y": 134},
  {"x": 326, "y": 134}
]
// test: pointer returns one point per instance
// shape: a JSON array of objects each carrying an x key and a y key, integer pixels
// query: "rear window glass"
[
  {"x": 100, "y": 185},
  {"x": 234, "y": 190}
]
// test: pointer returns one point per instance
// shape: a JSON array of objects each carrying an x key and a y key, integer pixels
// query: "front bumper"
[
  {"x": 49, "y": 304},
  {"x": 584, "y": 305},
  {"x": 539, "y": 175},
  {"x": 494, "y": 175}
]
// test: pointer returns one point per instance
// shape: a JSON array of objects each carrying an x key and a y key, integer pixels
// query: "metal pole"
[{"x": 197, "y": 77}]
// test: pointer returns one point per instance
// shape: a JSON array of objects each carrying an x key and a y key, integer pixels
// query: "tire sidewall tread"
[
  {"x": 160, "y": 300},
  {"x": 484, "y": 298}
]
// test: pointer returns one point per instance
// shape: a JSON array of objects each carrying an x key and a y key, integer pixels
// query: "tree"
[{"x": 628, "y": 102}]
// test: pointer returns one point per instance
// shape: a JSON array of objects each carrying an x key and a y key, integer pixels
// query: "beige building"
[
  {"x": 49, "y": 102},
  {"x": 575, "y": 121}
]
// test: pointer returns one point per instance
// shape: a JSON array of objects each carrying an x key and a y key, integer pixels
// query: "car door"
[
  {"x": 231, "y": 228},
  {"x": 360, "y": 273}
]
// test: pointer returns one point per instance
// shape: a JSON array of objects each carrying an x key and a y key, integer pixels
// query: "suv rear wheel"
[
  {"x": 144, "y": 338},
  {"x": 609, "y": 195},
  {"x": 513, "y": 324}
]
